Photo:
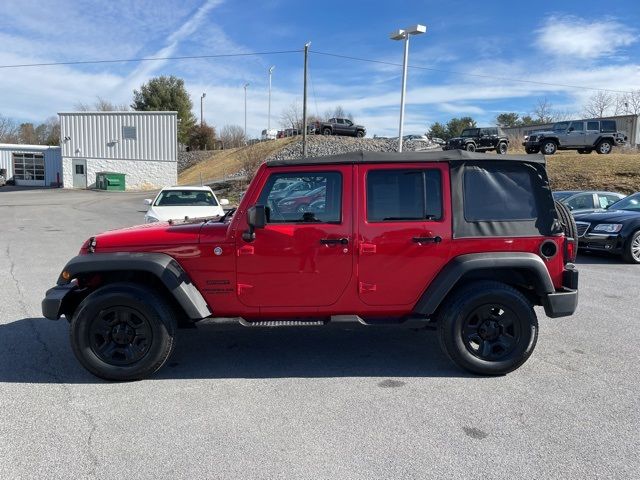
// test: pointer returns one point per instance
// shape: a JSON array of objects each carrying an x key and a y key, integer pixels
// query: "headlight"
[
  {"x": 286, "y": 203},
  {"x": 608, "y": 227},
  {"x": 149, "y": 219}
]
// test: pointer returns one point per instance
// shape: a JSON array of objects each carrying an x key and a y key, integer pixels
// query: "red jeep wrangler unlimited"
[{"x": 470, "y": 242}]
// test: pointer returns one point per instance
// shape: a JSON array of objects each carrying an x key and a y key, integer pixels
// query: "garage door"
[{"x": 28, "y": 169}]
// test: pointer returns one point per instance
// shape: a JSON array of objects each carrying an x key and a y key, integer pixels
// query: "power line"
[
  {"x": 492, "y": 77},
  {"x": 150, "y": 59}
]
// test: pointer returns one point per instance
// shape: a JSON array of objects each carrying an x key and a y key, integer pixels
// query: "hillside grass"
[{"x": 223, "y": 163}]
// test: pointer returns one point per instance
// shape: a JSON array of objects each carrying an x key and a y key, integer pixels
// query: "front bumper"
[
  {"x": 602, "y": 242},
  {"x": 529, "y": 144},
  {"x": 54, "y": 298},
  {"x": 563, "y": 302}
]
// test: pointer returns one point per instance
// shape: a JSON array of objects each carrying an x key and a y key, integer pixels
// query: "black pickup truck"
[{"x": 338, "y": 126}]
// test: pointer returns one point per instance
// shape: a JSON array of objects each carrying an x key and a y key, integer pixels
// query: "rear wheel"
[
  {"x": 488, "y": 328},
  {"x": 548, "y": 147},
  {"x": 326, "y": 131},
  {"x": 604, "y": 147},
  {"x": 123, "y": 331},
  {"x": 631, "y": 252}
]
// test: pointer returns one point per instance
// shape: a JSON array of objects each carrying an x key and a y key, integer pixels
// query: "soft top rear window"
[{"x": 506, "y": 194}]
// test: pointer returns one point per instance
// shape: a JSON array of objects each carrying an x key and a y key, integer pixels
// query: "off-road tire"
[
  {"x": 548, "y": 147},
  {"x": 359, "y": 134},
  {"x": 502, "y": 148},
  {"x": 566, "y": 220},
  {"x": 147, "y": 306},
  {"x": 326, "y": 131},
  {"x": 604, "y": 147},
  {"x": 632, "y": 244},
  {"x": 470, "y": 147},
  {"x": 455, "y": 319}
]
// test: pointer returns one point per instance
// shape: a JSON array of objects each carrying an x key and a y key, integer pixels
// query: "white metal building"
[
  {"x": 31, "y": 165},
  {"x": 142, "y": 145}
]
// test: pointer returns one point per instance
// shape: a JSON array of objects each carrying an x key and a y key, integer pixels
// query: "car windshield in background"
[
  {"x": 561, "y": 195},
  {"x": 560, "y": 126},
  {"x": 186, "y": 198},
  {"x": 631, "y": 203}
]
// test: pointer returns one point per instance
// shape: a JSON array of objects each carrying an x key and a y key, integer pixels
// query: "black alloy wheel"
[
  {"x": 470, "y": 147},
  {"x": 502, "y": 148},
  {"x": 491, "y": 332}
]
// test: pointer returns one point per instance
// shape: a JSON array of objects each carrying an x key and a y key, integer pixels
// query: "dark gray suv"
[{"x": 584, "y": 136}]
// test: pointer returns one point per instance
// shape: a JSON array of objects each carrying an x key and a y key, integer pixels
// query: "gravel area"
[
  {"x": 188, "y": 159},
  {"x": 319, "y": 146}
]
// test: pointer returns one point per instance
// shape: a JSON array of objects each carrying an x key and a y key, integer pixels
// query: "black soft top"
[{"x": 407, "y": 157}]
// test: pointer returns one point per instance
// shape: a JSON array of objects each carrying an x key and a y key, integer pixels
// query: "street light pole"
[
  {"x": 245, "y": 112},
  {"x": 269, "y": 114},
  {"x": 304, "y": 101},
  {"x": 201, "y": 109},
  {"x": 404, "y": 35}
]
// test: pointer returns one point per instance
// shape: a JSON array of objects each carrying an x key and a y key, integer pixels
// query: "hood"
[
  {"x": 149, "y": 235},
  {"x": 178, "y": 213},
  {"x": 544, "y": 133},
  {"x": 608, "y": 216}
]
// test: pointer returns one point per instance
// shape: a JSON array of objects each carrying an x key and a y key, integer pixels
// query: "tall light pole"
[
  {"x": 271, "y": 69},
  {"x": 304, "y": 101},
  {"x": 404, "y": 34},
  {"x": 201, "y": 110},
  {"x": 245, "y": 112}
]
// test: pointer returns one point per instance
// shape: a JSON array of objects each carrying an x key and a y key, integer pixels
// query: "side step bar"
[
  {"x": 343, "y": 319},
  {"x": 282, "y": 323}
]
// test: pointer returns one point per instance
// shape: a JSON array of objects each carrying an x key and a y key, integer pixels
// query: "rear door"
[
  {"x": 592, "y": 133},
  {"x": 404, "y": 230},
  {"x": 575, "y": 135}
]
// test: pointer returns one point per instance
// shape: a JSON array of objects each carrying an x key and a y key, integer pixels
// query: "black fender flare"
[
  {"x": 459, "y": 266},
  {"x": 163, "y": 266}
]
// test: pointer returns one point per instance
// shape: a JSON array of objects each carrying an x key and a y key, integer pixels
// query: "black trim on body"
[
  {"x": 164, "y": 267},
  {"x": 52, "y": 302},
  {"x": 449, "y": 276}
]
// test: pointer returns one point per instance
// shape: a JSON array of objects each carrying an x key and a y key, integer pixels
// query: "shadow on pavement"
[
  {"x": 597, "y": 258},
  {"x": 37, "y": 350}
]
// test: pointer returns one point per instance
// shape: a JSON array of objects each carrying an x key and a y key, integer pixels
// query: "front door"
[
  {"x": 79, "y": 169},
  {"x": 404, "y": 230},
  {"x": 303, "y": 257}
]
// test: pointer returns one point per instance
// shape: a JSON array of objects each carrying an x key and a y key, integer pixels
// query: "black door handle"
[
  {"x": 334, "y": 241},
  {"x": 435, "y": 239}
]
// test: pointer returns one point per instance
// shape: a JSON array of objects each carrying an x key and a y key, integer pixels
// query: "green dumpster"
[{"x": 110, "y": 181}]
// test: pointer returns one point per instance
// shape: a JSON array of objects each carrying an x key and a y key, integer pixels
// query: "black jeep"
[{"x": 479, "y": 140}]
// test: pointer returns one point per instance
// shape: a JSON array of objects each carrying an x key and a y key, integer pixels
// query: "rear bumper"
[
  {"x": 52, "y": 302},
  {"x": 564, "y": 301}
]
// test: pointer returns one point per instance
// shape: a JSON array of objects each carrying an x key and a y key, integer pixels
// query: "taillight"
[{"x": 570, "y": 250}]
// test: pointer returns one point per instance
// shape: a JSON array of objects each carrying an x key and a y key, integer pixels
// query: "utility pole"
[
  {"x": 201, "y": 109},
  {"x": 245, "y": 112},
  {"x": 269, "y": 115},
  {"x": 304, "y": 101}
]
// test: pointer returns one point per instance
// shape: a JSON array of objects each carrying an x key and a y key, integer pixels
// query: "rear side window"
[
  {"x": 608, "y": 126},
  {"x": 499, "y": 195},
  {"x": 593, "y": 126},
  {"x": 411, "y": 194}
]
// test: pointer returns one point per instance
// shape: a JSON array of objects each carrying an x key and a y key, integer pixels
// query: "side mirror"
[
  {"x": 148, "y": 201},
  {"x": 571, "y": 129},
  {"x": 224, "y": 202},
  {"x": 256, "y": 218}
]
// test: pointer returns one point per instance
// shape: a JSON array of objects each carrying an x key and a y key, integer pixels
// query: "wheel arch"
[
  {"x": 158, "y": 270},
  {"x": 524, "y": 271}
]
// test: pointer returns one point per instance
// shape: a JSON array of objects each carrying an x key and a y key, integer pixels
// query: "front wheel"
[
  {"x": 488, "y": 328},
  {"x": 470, "y": 147},
  {"x": 549, "y": 147},
  {"x": 631, "y": 252},
  {"x": 502, "y": 148},
  {"x": 123, "y": 331},
  {"x": 326, "y": 131},
  {"x": 359, "y": 134}
]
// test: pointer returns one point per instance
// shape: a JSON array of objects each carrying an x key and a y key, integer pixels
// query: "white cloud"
[{"x": 576, "y": 37}]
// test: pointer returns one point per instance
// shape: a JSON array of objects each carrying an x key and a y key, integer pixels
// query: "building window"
[
  {"x": 129, "y": 133},
  {"x": 28, "y": 166}
]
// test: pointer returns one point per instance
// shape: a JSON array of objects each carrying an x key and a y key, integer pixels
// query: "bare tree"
[
  {"x": 291, "y": 117},
  {"x": 232, "y": 136},
  {"x": 628, "y": 103},
  {"x": 600, "y": 104},
  {"x": 543, "y": 111},
  {"x": 337, "y": 112},
  {"x": 8, "y": 130},
  {"x": 101, "y": 105}
]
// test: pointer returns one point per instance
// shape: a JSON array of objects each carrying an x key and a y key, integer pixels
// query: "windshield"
[
  {"x": 561, "y": 195},
  {"x": 560, "y": 126},
  {"x": 469, "y": 132},
  {"x": 632, "y": 203},
  {"x": 186, "y": 198}
]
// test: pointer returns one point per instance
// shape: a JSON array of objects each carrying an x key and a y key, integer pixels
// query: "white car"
[{"x": 179, "y": 203}]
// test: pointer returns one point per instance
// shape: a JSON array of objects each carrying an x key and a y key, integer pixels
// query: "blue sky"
[{"x": 581, "y": 43}]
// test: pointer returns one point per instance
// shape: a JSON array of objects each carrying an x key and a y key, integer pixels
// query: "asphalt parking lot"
[{"x": 316, "y": 403}]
